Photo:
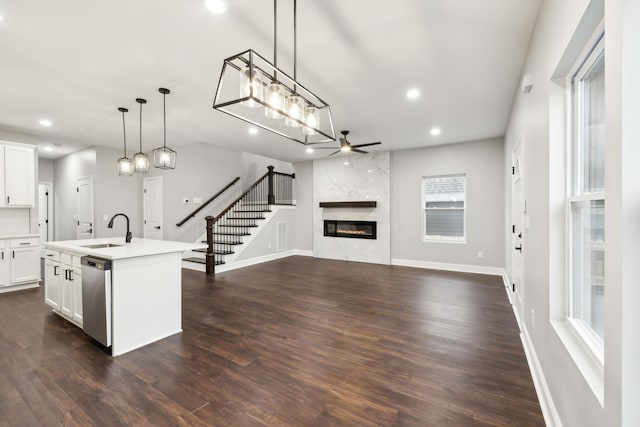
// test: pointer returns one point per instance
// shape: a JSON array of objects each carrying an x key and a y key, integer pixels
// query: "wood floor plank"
[{"x": 294, "y": 342}]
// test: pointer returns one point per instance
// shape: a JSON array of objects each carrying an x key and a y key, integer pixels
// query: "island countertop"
[{"x": 138, "y": 247}]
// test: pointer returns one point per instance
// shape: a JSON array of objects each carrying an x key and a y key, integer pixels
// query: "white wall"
[
  {"x": 536, "y": 120},
  {"x": 254, "y": 166},
  {"x": 482, "y": 163},
  {"x": 67, "y": 171},
  {"x": 45, "y": 170},
  {"x": 303, "y": 190}
]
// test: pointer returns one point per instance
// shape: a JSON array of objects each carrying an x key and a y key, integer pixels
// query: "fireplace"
[{"x": 351, "y": 229}]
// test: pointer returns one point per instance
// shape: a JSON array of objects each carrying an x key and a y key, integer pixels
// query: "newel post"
[
  {"x": 271, "y": 198},
  {"x": 210, "y": 257}
]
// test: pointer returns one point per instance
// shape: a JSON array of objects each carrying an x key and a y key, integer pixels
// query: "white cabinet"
[
  {"x": 25, "y": 260},
  {"x": 5, "y": 271},
  {"x": 63, "y": 285},
  {"x": 19, "y": 176},
  {"x": 2, "y": 195},
  {"x": 52, "y": 283}
]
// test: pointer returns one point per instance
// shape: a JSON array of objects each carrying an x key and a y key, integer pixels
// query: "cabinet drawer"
[
  {"x": 28, "y": 241},
  {"x": 66, "y": 258},
  {"x": 52, "y": 255}
]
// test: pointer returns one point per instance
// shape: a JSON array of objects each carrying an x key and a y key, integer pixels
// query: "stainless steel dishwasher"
[{"x": 96, "y": 299}]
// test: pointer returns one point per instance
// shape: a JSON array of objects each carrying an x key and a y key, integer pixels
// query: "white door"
[
  {"x": 518, "y": 217},
  {"x": 84, "y": 208},
  {"x": 152, "y": 207},
  {"x": 45, "y": 199}
]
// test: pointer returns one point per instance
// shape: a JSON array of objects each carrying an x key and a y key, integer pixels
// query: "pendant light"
[
  {"x": 163, "y": 157},
  {"x": 141, "y": 160},
  {"x": 125, "y": 166}
]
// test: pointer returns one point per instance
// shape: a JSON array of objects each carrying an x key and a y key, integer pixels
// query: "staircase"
[{"x": 242, "y": 218}]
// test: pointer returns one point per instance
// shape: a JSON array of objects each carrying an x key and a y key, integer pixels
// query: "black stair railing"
[
  {"x": 205, "y": 204},
  {"x": 226, "y": 230}
]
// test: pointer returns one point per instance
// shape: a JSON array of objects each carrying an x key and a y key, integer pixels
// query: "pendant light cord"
[
  {"x": 141, "y": 127},
  {"x": 275, "y": 38},
  {"x": 164, "y": 114},
  {"x": 124, "y": 134},
  {"x": 295, "y": 45}
]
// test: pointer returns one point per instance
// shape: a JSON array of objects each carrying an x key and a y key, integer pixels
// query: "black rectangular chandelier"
[{"x": 255, "y": 90}]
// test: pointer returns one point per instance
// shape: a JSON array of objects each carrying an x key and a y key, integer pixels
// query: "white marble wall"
[{"x": 355, "y": 177}]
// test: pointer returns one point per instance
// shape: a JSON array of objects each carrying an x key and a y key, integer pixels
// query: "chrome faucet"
[{"x": 110, "y": 225}]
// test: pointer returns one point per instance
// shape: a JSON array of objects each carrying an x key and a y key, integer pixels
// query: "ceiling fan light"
[
  {"x": 295, "y": 111},
  {"x": 251, "y": 86},
  {"x": 345, "y": 147},
  {"x": 311, "y": 119},
  {"x": 125, "y": 166},
  {"x": 274, "y": 98}
]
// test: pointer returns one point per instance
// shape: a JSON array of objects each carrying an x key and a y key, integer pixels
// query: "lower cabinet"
[
  {"x": 63, "y": 285},
  {"x": 19, "y": 263}
]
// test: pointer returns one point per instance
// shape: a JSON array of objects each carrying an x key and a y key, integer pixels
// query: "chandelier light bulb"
[
  {"x": 251, "y": 85},
  {"x": 295, "y": 110},
  {"x": 275, "y": 99},
  {"x": 311, "y": 119}
]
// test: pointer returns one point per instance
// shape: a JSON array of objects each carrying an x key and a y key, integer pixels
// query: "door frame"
[
  {"x": 518, "y": 178},
  {"x": 144, "y": 205},
  {"x": 50, "y": 233}
]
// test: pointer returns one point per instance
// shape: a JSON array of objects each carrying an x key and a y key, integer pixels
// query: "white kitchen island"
[{"x": 146, "y": 286}]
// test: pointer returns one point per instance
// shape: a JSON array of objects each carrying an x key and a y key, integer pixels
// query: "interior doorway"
[
  {"x": 45, "y": 213},
  {"x": 84, "y": 208},
  {"x": 152, "y": 207},
  {"x": 518, "y": 217}
]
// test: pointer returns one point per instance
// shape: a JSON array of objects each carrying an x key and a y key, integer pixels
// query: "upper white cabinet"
[{"x": 19, "y": 176}]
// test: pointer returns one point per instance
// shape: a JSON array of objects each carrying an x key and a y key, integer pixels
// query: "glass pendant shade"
[
  {"x": 125, "y": 166},
  {"x": 295, "y": 111},
  {"x": 274, "y": 99},
  {"x": 311, "y": 119},
  {"x": 251, "y": 85},
  {"x": 164, "y": 158},
  {"x": 140, "y": 162}
]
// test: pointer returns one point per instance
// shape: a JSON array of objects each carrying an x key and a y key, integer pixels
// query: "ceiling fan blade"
[
  {"x": 326, "y": 148},
  {"x": 366, "y": 145},
  {"x": 335, "y": 152},
  {"x": 355, "y": 150}
]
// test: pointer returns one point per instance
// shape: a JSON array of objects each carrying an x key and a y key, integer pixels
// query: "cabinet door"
[
  {"x": 52, "y": 284},
  {"x": 25, "y": 264},
  {"x": 66, "y": 304},
  {"x": 3, "y": 198},
  {"x": 77, "y": 296},
  {"x": 19, "y": 176},
  {"x": 5, "y": 274}
]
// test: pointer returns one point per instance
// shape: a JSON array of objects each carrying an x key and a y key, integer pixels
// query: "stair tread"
[
  {"x": 204, "y": 251},
  {"x": 245, "y": 217},
  {"x": 231, "y": 234},
  {"x": 252, "y": 210},
  {"x": 237, "y": 226},
  {"x": 200, "y": 260},
  {"x": 218, "y": 242}
]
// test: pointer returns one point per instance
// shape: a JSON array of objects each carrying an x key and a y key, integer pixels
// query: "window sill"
[
  {"x": 440, "y": 240},
  {"x": 591, "y": 368}
]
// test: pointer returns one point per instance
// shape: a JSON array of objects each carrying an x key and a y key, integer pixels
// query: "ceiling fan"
[{"x": 346, "y": 145}]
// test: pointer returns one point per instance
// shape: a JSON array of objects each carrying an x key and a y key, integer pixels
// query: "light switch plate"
[{"x": 197, "y": 200}]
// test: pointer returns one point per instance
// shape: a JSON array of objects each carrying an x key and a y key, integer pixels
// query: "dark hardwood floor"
[{"x": 299, "y": 342}]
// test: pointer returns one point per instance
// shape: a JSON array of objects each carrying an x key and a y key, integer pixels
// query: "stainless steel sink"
[{"x": 101, "y": 246}]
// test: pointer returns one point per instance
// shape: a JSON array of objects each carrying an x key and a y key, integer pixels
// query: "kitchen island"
[{"x": 145, "y": 283}]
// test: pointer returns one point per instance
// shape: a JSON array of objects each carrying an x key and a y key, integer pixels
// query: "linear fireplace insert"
[{"x": 351, "y": 229}]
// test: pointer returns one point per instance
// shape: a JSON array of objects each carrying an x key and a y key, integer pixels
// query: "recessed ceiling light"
[
  {"x": 435, "y": 131},
  {"x": 45, "y": 122},
  {"x": 346, "y": 163},
  {"x": 413, "y": 93},
  {"x": 309, "y": 150},
  {"x": 216, "y": 6},
  {"x": 253, "y": 131},
  {"x": 48, "y": 149},
  {"x": 1, "y": 18}
]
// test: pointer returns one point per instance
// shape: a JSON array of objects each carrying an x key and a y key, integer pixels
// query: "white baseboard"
[
  {"x": 549, "y": 411},
  {"x": 303, "y": 252},
  {"x": 18, "y": 287},
  {"x": 461, "y": 268}
]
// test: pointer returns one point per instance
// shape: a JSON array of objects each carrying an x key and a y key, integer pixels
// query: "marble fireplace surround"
[{"x": 353, "y": 188}]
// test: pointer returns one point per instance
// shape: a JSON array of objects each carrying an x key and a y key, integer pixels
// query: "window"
[
  {"x": 586, "y": 199},
  {"x": 444, "y": 205}
]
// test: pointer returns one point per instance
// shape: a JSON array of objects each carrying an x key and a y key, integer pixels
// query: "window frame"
[
  {"x": 575, "y": 193},
  {"x": 440, "y": 238}
]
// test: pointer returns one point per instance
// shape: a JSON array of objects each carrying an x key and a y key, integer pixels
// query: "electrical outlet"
[
  {"x": 480, "y": 254},
  {"x": 533, "y": 318}
]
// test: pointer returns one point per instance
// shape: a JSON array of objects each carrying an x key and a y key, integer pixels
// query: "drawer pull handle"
[{"x": 24, "y": 243}]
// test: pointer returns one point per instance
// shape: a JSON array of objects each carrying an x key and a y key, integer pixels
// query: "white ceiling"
[{"x": 75, "y": 61}]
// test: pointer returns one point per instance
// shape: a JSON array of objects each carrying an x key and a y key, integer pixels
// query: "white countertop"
[
  {"x": 18, "y": 236},
  {"x": 137, "y": 248}
]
